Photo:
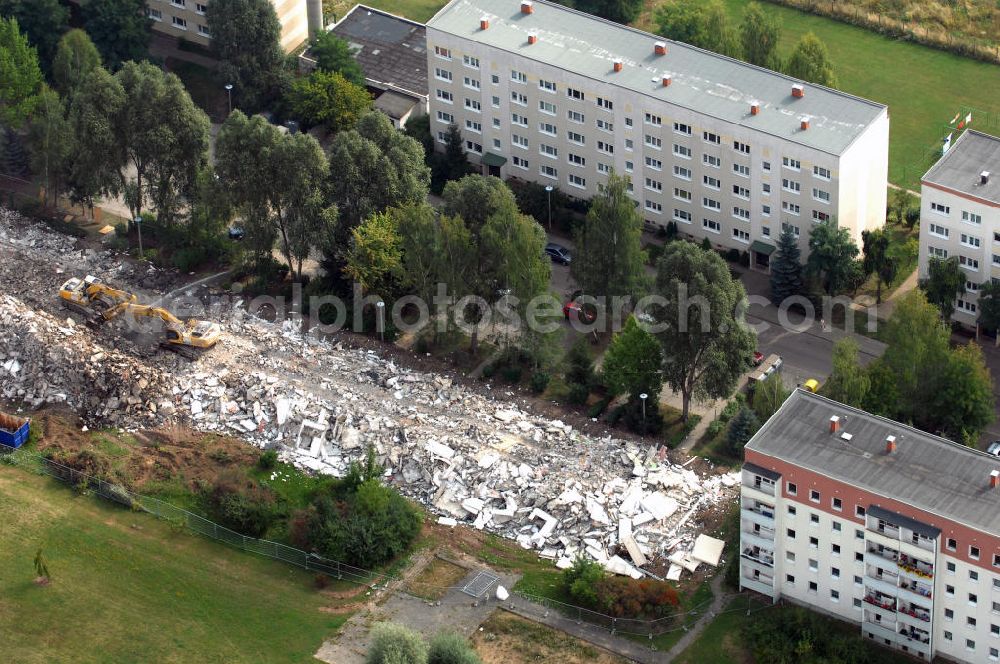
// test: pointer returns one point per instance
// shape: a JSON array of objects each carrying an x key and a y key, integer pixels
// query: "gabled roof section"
[{"x": 391, "y": 50}]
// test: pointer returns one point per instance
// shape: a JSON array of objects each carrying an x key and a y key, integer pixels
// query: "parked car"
[
  {"x": 582, "y": 313},
  {"x": 236, "y": 233},
  {"x": 558, "y": 253},
  {"x": 994, "y": 448}
]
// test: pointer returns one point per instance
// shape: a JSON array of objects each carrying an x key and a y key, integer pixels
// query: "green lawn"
[
  {"x": 415, "y": 10},
  {"x": 129, "y": 588}
]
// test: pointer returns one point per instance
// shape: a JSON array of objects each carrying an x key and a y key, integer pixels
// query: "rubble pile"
[{"x": 467, "y": 455}]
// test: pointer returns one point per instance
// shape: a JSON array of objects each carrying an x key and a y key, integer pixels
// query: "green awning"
[
  {"x": 491, "y": 159},
  {"x": 762, "y": 247}
]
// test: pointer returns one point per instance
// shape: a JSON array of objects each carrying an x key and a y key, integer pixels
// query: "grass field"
[
  {"x": 415, "y": 10},
  {"x": 129, "y": 588}
]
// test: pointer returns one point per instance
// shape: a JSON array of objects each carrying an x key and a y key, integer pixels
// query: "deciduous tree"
[
  {"x": 945, "y": 281},
  {"x": 759, "y": 35},
  {"x": 246, "y": 37},
  {"x": 832, "y": 256},
  {"x": 120, "y": 29},
  {"x": 632, "y": 363},
  {"x": 51, "y": 140},
  {"x": 20, "y": 75},
  {"x": 43, "y": 21},
  {"x": 374, "y": 259},
  {"x": 333, "y": 54},
  {"x": 620, "y": 11},
  {"x": 76, "y": 56},
  {"x": 810, "y": 61},
  {"x": 475, "y": 198},
  {"x": 848, "y": 383},
  {"x": 329, "y": 99},
  {"x": 877, "y": 260},
  {"x": 395, "y": 644},
  {"x": 95, "y": 159},
  {"x": 702, "y": 24},
  {"x": 786, "y": 268},
  {"x": 989, "y": 307},
  {"x": 768, "y": 395}
]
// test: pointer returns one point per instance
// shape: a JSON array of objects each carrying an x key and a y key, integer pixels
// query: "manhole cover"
[{"x": 480, "y": 584}]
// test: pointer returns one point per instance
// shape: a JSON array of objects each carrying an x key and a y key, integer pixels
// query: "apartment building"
[
  {"x": 727, "y": 150},
  {"x": 876, "y": 523},
  {"x": 960, "y": 215},
  {"x": 186, "y": 18}
]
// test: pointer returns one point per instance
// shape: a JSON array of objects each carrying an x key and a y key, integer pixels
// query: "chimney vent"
[
  {"x": 754, "y": 107},
  {"x": 804, "y": 124},
  {"x": 890, "y": 444},
  {"x": 834, "y": 423},
  {"x": 532, "y": 38},
  {"x": 798, "y": 91},
  {"x": 660, "y": 48},
  {"x": 667, "y": 78},
  {"x": 484, "y": 23},
  {"x": 618, "y": 65},
  {"x": 527, "y": 7},
  {"x": 984, "y": 178},
  {"x": 994, "y": 479}
]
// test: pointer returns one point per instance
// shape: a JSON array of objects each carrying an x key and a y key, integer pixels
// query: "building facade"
[
  {"x": 960, "y": 215},
  {"x": 875, "y": 523},
  {"x": 727, "y": 150}
]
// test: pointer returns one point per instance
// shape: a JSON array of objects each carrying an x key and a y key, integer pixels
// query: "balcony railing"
[
  {"x": 887, "y": 530},
  {"x": 763, "y": 510},
  {"x": 886, "y": 603},
  {"x": 886, "y": 622},
  {"x": 885, "y": 554},
  {"x": 915, "y": 635},
  {"x": 915, "y": 567},
  {"x": 758, "y": 555},
  {"x": 915, "y": 612},
  {"x": 916, "y": 588}
]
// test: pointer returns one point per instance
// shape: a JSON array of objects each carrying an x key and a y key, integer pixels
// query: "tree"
[
  {"x": 76, "y": 56},
  {"x": 877, "y": 260},
  {"x": 120, "y": 29},
  {"x": 454, "y": 164},
  {"x": 276, "y": 180},
  {"x": 43, "y": 21},
  {"x": 705, "y": 347},
  {"x": 609, "y": 260},
  {"x": 900, "y": 201},
  {"x": 721, "y": 36},
  {"x": 475, "y": 198},
  {"x": 832, "y": 254},
  {"x": 744, "y": 425},
  {"x": 768, "y": 395},
  {"x": 41, "y": 567},
  {"x": 374, "y": 259},
  {"x": 945, "y": 281},
  {"x": 632, "y": 363},
  {"x": 989, "y": 307},
  {"x": 51, "y": 141},
  {"x": 579, "y": 372},
  {"x": 95, "y": 158},
  {"x": 786, "y": 270},
  {"x": 395, "y": 644},
  {"x": 848, "y": 382},
  {"x": 163, "y": 137},
  {"x": 451, "y": 648},
  {"x": 619, "y": 11},
  {"x": 246, "y": 38},
  {"x": 329, "y": 99},
  {"x": 963, "y": 404},
  {"x": 759, "y": 35},
  {"x": 810, "y": 61},
  {"x": 333, "y": 54},
  {"x": 20, "y": 75},
  {"x": 705, "y": 25}
]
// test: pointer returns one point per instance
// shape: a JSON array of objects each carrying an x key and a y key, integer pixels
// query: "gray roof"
[
  {"x": 930, "y": 473},
  {"x": 702, "y": 81},
  {"x": 959, "y": 168},
  {"x": 391, "y": 50},
  {"x": 395, "y": 104}
]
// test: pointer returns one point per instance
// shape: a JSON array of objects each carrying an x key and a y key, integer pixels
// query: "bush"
[
  {"x": 511, "y": 373},
  {"x": 732, "y": 255},
  {"x": 598, "y": 408},
  {"x": 714, "y": 428},
  {"x": 653, "y": 253},
  {"x": 489, "y": 370},
  {"x": 395, "y": 644},
  {"x": 632, "y": 417},
  {"x": 622, "y": 597},
  {"x": 540, "y": 381},
  {"x": 241, "y": 504},
  {"x": 451, "y": 648},
  {"x": 268, "y": 460},
  {"x": 580, "y": 581},
  {"x": 578, "y": 395}
]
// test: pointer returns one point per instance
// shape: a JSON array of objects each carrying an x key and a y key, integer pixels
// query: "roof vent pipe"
[
  {"x": 660, "y": 48},
  {"x": 798, "y": 91},
  {"x": 984, "y": 177},
  {"x": 890, "y": 444},
  {"x": 618, "y": 65},
  {"x": 667, "y": 78},
  {"x": 484, "y": 23},
  {"x": 804, "y": 124},
  {"x": 834, "y": 423},
  {"x": 527, "y": 7},
  {"x": 532, "y": 38},
  {"x": 994, "y": 479},
  {"x": 754, "y": 108}
]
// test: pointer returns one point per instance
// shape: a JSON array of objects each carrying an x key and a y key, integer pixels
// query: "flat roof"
[
  {"x": 930, "y": 473},
  {"x": 704, "y": 82},
  {"x": 960, "y": 167},
  {"x": 390, "y": 49}
]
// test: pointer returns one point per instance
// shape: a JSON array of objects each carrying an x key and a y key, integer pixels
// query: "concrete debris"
[
  {"x": 468, "y": 456},
  {"x": 502, "y": 593}
]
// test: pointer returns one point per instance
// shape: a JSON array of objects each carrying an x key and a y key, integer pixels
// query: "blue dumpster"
[{"x": 13, "y": 430}]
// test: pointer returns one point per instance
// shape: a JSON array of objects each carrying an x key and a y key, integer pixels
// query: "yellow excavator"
[
  {"x": 93, "y": 299},
  {"x": 100, "y": 303}
]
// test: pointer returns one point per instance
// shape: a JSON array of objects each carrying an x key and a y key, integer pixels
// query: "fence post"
[
  {"x": 579, "y": 615},
  {"x": 215, "y": 530}
]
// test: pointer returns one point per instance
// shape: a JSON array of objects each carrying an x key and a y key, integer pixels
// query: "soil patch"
[
  {"x": 436, "y": 579},
  {"x": 509, "y": 639}
]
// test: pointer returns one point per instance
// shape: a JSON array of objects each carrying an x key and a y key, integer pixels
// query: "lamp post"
[
  {"x": 229, "y": 92},
  {"x": 548, "y": 192},
  {"x": 380, "y": 319},
  {"x": 642, "y": 398},
  {"x": 138, "y": 227}
]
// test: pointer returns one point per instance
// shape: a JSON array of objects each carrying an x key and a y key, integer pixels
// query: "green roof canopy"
[
  {"x": 762, "y": 247},
  {"x": 491, "y": 159}
]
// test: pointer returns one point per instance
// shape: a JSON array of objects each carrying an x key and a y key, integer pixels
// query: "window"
[
  {"x": 970, "y": 621},
  {"x": 607, "y": 148},
  {"x": 710, "y": 160},
  {"x": 765, "y": 231},
  {"x": 154, "y": 14},
  {"x": 949, "y": 614},
  {"x": 574, "y": 137},
  {"x": 973, "y": 575},
  {"x": 653, "y": 206},
  {"x": 656, "y": 164},
  {"x": 653, "y": 142},
  {"x": 521, "y": 163},
  {"x": 654, "y": 120},
  {"x": 951, "y": 544},
  {"x": 820, "y": 195},
  {"x": 606, "y": 104},
  {"x": 497, "y": 144},
  {"x": 681, "y": 128},
  {"x": 790, "y": 579},
  {"x": 813, "y": 587},
  {"x": 473, "y": 105},
  {"x": 711, "y": 204},
  {"x": 684, "y": 216},
  {"x": 950, "y": 566},
  {"x": 791, "y": 489},
  {"x": 765, "y": 166},
  {"x": 474, "y": 147},
  {"x": 470, "y": 61},
  {"x": 654, "y": 185},
  {"x": 548, "y": 172},
  {"x": 835, "y": 595},
  {"x": 821, "y": 173},
  {"x": 970, "y": 644},
  {"x": 605, "y": 168},
  {"x": 548, "y": 150},
  {"x": 790, "y": 556},
  {"x": 741, "y": 213},
  {"x": 577, "y": 181},
  {"x": 996, "y": 561},
  {"x": 970, "y": 218},
  {"x": 471, "y": 83},
  {"x": 179, "y": 23},
  {"x": 857, "y": 603},
  {"x": 859, "y": 511},
  {"x": 791, "y": 510},
  {"x": 715, "y": 227},
  {"x": 201, "y": 8},
  {"x": 473, "y": 126},
  {"x": 994, "y": 654},
  {"x": 546, "y": 107},
  {"x": 495, "y": 101},
  {"x": 741, "y": 236},
  {"x": 575, "y": 116},
  {"x": 820, "y": 217},
  {"x": 790, "y": 185},
  {"x": 445, "y": 96},
  {"x": 604, "y": 125},
  {"x": 574, "y": 94},
  {"x": 629, "y": 144},
  {"x": 548, "y": 86},
  {"x": 741, "y": 147},
  {"x": 682, "y": 194},
  {"x": 859, "y": 557},
  {"x": 576, "y": 159},
  {"x": 682, "y": 172},
  {"x": 442, "y": 137},
  {"x": 519, "y": 98},
  {"x": 813, "y": 517},
  {"x": 742, "y": 170},
  {"x": 496, "y": 123},
  {"x": 790, "y": 227},
  {"x": 813, "y": 542},
  {"x": 682, "y": 151},
  {"x": 947, "y": 636},
  {"x": 937, "y": 252},
  {"x": 628, "y": 122},
  {"x": 814, "y": 495},
  {"x": 971, "y": 241},
  {"x": 178, "y": 3},
  {"x": 974, "y": 552},
  {"x": 936, "y": 230},
  {"x": 940, "y": 209},
  {"x": 793, "y": 164},
  {"x": 443, "y": 53},
  {"x": 547, "y": 128},
  {"x": 709, "y": 137},
  {"x": 519, "y": 141},
  {"x": 713, "y": 183},
  {"x": 969, "y": 263},
  {"x": 813, "y": 565},
  {"x": 790, "y": 208},
  {"x": 741, "y": 192},
  {"x": 766, "y": 189},
  {"x": 203, "y": 30},
  {"x": 835, "y": 548},
  {"x": 495, "y": 79},
  {"x": 518, "y": 76},
  {"x": 520, "y": 120}
]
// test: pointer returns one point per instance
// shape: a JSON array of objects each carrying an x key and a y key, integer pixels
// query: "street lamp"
[
  {"x": 548, "y": 191},
  {"x": 229, "y": 91},
  {"x": 642, "y": 398},
  {"x": 380, "y": 319},
  {"x": 138, "y": 227}
]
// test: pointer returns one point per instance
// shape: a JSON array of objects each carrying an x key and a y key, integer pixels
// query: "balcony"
[
  {"x": 762, "y": 585},
  {"x": 881, "y": 584},
  {"x": 763, "y": 538},
  {"x": 910, "y": 635},
  {"x": 918, "y": 548},
  {"x": 759, "y": 513},
  {"x": 881, "y": 601},
  {"x": 913, "y": 615},
  {"x": 914, "y": 568},
  {"x": 879, "y": 558},
  {"x": 910, "y": 591},
  {"x": 878, "y": 630},
  {"x": 886, "y": 529},
  {"x": 758, "y": 555},
  {"x": 887, "y": 621}
]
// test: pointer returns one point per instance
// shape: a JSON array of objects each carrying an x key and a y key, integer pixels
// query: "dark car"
[
  {"x": 236, "y": 233},
  {"x": 558, "y": 253}
]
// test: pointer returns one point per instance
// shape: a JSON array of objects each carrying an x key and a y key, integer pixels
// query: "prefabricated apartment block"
[
  {"x": 729, "y": 151},
  {"x": 960, "y": 215},
  {"x": 876, "y": 523}
]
